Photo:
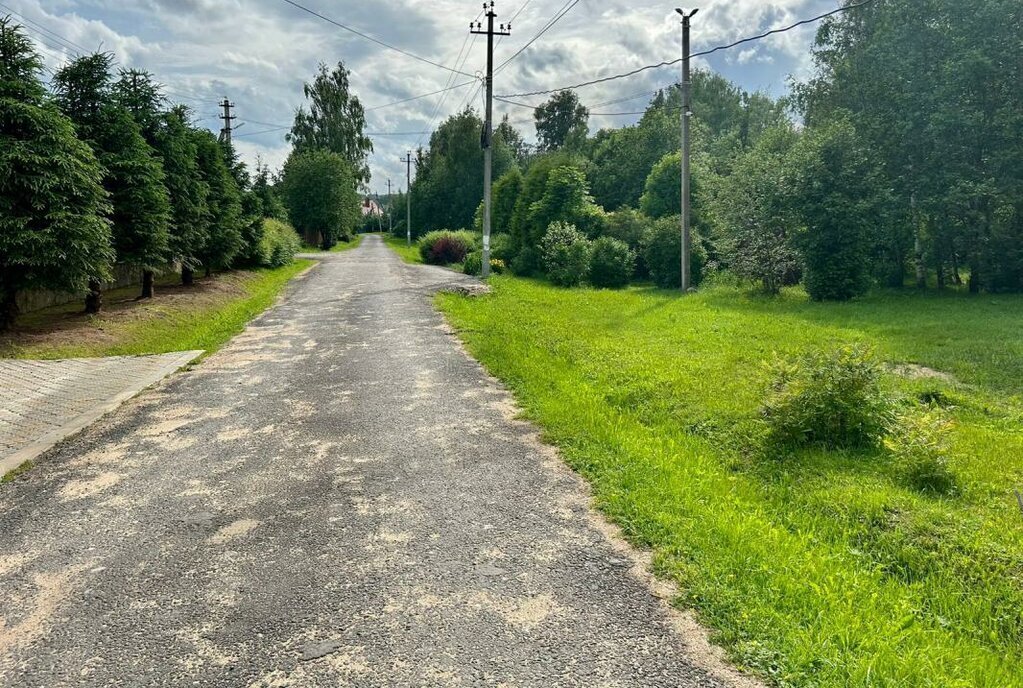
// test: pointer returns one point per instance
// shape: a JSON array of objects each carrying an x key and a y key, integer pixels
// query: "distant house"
[{"x": 371, "y": 207}]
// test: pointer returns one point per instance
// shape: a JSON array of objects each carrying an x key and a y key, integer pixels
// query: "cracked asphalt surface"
[{"x": 340, "y": 496}]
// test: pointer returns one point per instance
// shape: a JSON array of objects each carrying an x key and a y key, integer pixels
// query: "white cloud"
[{"x": 259, "y": 52}]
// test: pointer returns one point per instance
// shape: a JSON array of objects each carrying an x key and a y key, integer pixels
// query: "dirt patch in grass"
[
  {"x": 68, "y": 325},
  {"x": 201, "y": 316},
  {"x": 913, "y": 371}
]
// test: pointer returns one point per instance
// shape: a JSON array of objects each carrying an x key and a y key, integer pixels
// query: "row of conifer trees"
[{"x": 100, "y": 170}]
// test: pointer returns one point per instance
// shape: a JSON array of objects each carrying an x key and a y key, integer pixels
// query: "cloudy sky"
[{"x": 259, "y": 52}]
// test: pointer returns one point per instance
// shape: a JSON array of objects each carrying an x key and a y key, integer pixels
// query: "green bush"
[
  {"x": 611, "y": 263},
  {"x": 473, "y": 264},
  {"x": 443, "y": 246},
  {"x": 629, "y": 225},
  {"x": 526, "y": 261},
  {"x": 832, "y": 399},
  {"x": 278, "y": 245},
  {"x": 565, "y": 255},
  {"x": 662, "y": 253},
  {"x": 921, "y": 447},
  {"x": 500, "y": 247}
]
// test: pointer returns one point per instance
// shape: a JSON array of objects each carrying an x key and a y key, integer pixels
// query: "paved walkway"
[
  {"x": 338, "y": 497},
  {"x": 42, "y": 402}
]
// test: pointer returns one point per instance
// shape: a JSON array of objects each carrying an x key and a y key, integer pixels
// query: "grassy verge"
[
  {"x": 13, "y": 474},
  {"x": 348, "y": 246},
  {"x": 823, "y": 569},
  {"x": 409, "y": 254},
  {"x": 204, "y": 316},
  {"x": 337, "y": 248}
]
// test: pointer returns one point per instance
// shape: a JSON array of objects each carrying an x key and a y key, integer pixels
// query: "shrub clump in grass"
[
  {"x": 921, "y": 447},
  {"x": 832, "y": 399},
  {"x": 612, "y": 263},
  {"x": 473, "y": 264},
  {"x": 565, "y": 255},
  {"x": 444, "y": 247},
  {"x": 279, "y": 244}
]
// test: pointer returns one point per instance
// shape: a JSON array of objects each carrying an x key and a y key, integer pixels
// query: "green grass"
[
  {"x": 12, "y": 474},
  {"x": 347, "y": 246},
  {"x": 409, "y": 254},
  {"x": 821, "y": 569},
  {"x": 337, "y": 248},
  {"x": 178, "y": 319}
]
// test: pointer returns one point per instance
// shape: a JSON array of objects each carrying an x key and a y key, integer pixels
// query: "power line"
[
  {"x": 276, "y": 125},
  {"x": 421, "y": 96},
  {"x": 451, "y": 77},
  {"x": 371, "y": 38},
  {"x": 257, "y": 133},
  {"x": 472, "y": 94},
  {"x": 698, "y": 54},
  {"x": 565, "y": 9},
  {"x": 56, "y": 35}
]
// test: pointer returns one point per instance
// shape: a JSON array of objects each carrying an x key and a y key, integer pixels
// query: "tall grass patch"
[{"x": 845, "y": 564}]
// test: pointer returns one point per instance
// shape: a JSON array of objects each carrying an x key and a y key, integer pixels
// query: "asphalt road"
[{"x": 338, "y": 497}]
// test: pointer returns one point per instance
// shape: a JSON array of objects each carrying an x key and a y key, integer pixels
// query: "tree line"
[
  {"x": 100, "y": 170},
  {"x": 900, "y": 162}
]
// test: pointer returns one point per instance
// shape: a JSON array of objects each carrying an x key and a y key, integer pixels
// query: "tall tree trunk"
[
  {"x": 147, "y": 284},
  {"x": 957, "y": 279},
  {"x": 918, "y": 247},
  {"x": 8, "y": 308},
  {"x": 209, "y": 270},
  {"x": 187, "y": 276},
  {"x": 94, "y": 297}
]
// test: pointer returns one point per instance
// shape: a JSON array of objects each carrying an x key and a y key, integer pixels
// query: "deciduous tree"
[
  {"x": 321, "y": 196},
  {"x": 335, "y": 120},
  {"x": 561, "y": 122}
]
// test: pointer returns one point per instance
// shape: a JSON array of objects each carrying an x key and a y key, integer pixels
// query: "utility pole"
[
  {"x": 686, "y": 114},
  {"x": 225, "y": 132},
  {"x": 408, "y": 197},
  {"x": 390, "y": 227},
  {"x": 488, "y": 125}
]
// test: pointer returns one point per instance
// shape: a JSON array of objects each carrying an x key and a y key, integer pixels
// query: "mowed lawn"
[
  {"x": 409, "y": 254},
  {"x": 203, "y": 316},
  {"x": 819, "y": 569}
]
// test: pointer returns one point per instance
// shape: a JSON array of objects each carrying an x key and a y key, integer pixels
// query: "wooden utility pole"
[
  {"x": 408, "y": 197},
  {"x": 488, "y": 125},
  {"x": 686, "y": 114},
  {"x": 225, "y": 132}
]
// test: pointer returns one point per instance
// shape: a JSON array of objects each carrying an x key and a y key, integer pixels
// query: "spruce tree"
[
  {"x": 224, "y": 207},
  {"x": 135, "y": 180},
  {"x": 53, "y": 229},
  {"x": 133, "y": 174},
  {"x": 138, "y": 92},
  {"x": 189, "y": 193}
]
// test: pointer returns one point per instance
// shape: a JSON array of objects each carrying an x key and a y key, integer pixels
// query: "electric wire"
[
  {"x": 62, "y": 39},
  {"x": 371, "y": 38},
  {"x": 451, "y": 76},
  {"x": 565, "y": 9},
  {"x": 421, "y": 96},
  {"x": 697, "y": 54}
]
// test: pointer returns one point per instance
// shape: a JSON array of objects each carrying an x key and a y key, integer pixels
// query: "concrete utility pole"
[
  {"x": 408, "y": 197},
  {"x": 488, "y": 125},
  {"x": 225, "y": 132},
  {"x": 686, "y": 114},
  {"x": 390, "y": 226}
]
